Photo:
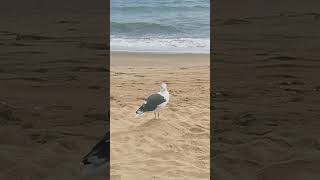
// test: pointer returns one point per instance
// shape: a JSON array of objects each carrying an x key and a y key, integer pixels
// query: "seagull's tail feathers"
[
  {"x": 141, "y": 109},
  {"x": 139, "y": 113}
]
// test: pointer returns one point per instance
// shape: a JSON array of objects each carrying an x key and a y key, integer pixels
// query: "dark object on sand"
[{"x": 96, "y": 161}]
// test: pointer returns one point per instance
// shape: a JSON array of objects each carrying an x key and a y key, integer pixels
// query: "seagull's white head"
[{"x": 163, "y": 87}]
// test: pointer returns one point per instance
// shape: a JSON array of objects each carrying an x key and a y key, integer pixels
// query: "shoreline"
[
  {"x": 158, "y": 52},
  {"x": 161, "y": 45},
  {"x": 159, "y": 59}
]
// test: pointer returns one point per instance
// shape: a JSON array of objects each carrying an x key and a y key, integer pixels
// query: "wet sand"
[
  {"x": 265, "y": 91},
  {"x": 53, "y": 87}
]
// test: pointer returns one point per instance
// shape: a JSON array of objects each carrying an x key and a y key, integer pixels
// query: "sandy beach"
[{"x": 177, "y": 145}]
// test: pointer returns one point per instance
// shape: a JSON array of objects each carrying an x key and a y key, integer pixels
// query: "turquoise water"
[{"x": 160, "y": 25}]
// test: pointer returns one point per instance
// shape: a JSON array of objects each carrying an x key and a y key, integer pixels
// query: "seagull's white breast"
[{"x": 166, "y": 96}]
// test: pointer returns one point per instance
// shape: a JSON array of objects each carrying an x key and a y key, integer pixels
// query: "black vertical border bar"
[
  {"x": 107, "y": 100},
  {"x": 211, "y": 89}
]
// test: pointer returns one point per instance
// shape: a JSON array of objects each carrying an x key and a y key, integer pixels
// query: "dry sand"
[{"x": 175, "y": 147}]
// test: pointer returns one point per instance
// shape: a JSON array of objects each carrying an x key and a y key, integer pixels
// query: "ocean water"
[{"x": 177, "y": 26}]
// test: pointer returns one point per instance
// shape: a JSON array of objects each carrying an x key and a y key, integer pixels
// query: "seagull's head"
[{"x": 163, "y": 87}]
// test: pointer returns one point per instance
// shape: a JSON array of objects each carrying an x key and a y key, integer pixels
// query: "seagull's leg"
[
  {"x": 158, "y": 115},
  {"x": 155, "y": 115}
]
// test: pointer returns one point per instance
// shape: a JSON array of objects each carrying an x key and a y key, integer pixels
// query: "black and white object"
[
  {"x": 155, "y": 102},
  {"x": 97, "y": 160}
]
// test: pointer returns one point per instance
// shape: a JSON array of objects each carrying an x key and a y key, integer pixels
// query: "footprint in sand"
[{"x": 196, "y": 130}]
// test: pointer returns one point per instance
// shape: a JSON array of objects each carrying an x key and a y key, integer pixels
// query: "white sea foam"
[{"x": 160, "y": 45}]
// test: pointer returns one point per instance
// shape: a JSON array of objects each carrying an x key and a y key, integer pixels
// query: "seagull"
[
  {"x": 98, "y": 158},
  {"x": 155, "y": 102}
]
